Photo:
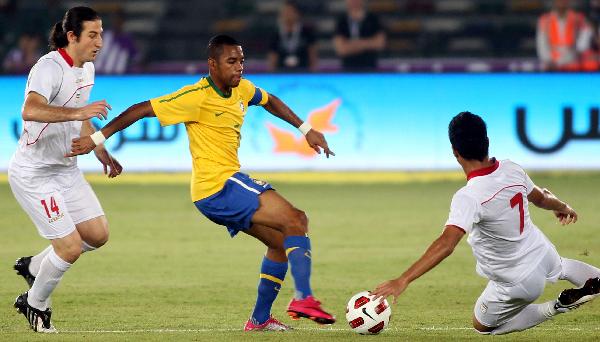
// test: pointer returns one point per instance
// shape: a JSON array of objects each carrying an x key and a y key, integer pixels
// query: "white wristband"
[
  {"x": 98, "y": 138},
  {"x": 305, "y": 127}
]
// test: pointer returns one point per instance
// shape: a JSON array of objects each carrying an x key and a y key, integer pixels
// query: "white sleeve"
[
  {"x": 463, "y": 212},
  {"x": 528, "y": 183},
  {"x": 45, "y": 79}
]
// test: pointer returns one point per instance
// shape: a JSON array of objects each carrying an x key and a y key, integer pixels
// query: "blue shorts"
[{"x": 234, "y": 206}]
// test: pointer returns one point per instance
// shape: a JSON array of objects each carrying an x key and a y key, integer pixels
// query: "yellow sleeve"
[
  {"x": 253, "y": 94},
  {"x": 180, "y": 106}
]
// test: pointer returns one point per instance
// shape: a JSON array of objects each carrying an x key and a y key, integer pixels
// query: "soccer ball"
[{"x": 366, "y": 315}]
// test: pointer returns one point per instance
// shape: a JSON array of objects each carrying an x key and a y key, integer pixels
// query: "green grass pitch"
[{"x": 168, "y": 273}]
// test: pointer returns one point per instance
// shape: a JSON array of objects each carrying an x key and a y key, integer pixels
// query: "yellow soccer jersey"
[{"x": 213, "y": 122}]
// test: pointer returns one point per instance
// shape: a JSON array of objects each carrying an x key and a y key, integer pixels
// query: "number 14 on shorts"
[{"x": 51, "y": 209}]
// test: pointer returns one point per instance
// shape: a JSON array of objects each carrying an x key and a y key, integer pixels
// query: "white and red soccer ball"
[{"x": 366, "y": 315}]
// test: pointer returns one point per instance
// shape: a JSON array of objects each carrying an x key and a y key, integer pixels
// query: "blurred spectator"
[
  {"x": 594, "y": 16},
  {"x": 119, "y": 52},
  {"x": 7, "y": 10},
  {"x": 564, "y": 39},
  {"x": 8, "y": 6},
  {"x": 22, "y": 57},
  {"x": 358, "y": 37},
  {"x": 293, "y": 47}
]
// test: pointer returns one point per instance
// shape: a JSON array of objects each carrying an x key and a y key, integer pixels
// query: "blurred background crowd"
[{"x": 160, "y": 36}]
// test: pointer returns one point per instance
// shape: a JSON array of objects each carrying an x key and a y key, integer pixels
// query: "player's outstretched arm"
[
  {"x": 543, "y": 198},
  {"x": 84, "y": 145},
  {"x": 315, "y": 139},
  {"x": 36, "y": 108},
  {"x": 439, "y": 250}
]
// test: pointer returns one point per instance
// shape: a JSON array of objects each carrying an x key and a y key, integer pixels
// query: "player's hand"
[
  {"x": 393, "y": 287},
  {"x": 82, "y": 145},
  {"x": 566, "y": 215},
  {"x": 317, "y": 141},
  {"x": 96, "y": 109},
  {"x": 112, "y": 167}
]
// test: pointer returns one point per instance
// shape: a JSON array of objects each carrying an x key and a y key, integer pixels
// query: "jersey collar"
[
  {"x": 214, "y": 86},
  {"x": 484, "y": 171},
  {"x": 66, "y": 56}
]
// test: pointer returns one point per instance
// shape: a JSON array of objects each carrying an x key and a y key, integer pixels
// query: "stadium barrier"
[{"x": 371, "y": 121}]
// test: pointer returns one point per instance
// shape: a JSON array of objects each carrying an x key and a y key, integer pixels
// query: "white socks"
[
  {"x": 85, "y": 247},
  {"x": 51, "y": 271},
  {"x": 577, "y": 272},
  {"x": 36, "y": 261},
  {"x": 531, "y": 316}
]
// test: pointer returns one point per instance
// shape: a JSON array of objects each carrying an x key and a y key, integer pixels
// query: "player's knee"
[
  {"x": 100, "y": 235},
  {"x": 69, "y": 252},
  {"x": 482, "y": 329},
  {"x": 100, "y": 238},
  {"x": 297, "y": 223}
]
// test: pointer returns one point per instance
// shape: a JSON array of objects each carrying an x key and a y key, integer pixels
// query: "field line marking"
[{"x": 162, "y": 331}]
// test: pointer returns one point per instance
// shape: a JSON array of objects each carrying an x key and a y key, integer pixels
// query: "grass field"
[{"x": 167, "y": 273}]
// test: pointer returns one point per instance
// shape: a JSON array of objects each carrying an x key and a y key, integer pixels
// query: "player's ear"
[
  {"x": 71, "y": 37},
  {"x": 456, "y": 155},
  {"x": 211, "y": 62}
]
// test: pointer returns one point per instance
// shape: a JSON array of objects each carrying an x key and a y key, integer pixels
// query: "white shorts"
[
  {"x": 57, "y": 203},
  {"x": 499, "y": 303}
]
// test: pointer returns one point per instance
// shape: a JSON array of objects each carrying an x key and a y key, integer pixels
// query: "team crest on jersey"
[
  {"x": 259, "y": 182},
  {"x": 242, "y": 106}
]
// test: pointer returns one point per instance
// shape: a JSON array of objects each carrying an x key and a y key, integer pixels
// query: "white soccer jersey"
[
  {"x": 42, "y": 146},
  {"x": 493, "y": 209}
]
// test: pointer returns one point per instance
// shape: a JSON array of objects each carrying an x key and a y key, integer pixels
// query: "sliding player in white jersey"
[
  {"x": 49, "y": 186},
  {"x": 516, "y": 257}
]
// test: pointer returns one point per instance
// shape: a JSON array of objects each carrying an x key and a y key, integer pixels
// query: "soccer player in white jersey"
[
  {"x": 516, "y": 257},
  {"x": 49, "y": 186}
]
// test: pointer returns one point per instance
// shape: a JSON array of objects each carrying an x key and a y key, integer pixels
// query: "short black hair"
[
  {"x": 468, "y": 136},
  {"x": 216, "y": 43}
]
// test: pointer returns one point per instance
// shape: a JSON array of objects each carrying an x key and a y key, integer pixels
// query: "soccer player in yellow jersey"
[{"x": 213, "y": 111}]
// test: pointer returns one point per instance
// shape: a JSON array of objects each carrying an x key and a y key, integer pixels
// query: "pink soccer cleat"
[
  {"x": 309, "y": 308},
  {"x": 270, "y": 325}
]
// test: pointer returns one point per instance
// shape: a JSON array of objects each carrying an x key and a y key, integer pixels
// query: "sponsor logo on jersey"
[{"x": 56, "y": 218}]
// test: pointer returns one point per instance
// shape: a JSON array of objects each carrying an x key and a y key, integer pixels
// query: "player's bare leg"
[
  {"x": 94, "y": 234},
  {"x": 480, "y": 327},
  {"x": 276, "y": 212},
  {"x": 271, "y": 238},
  {"x": 272, "y": 273}
]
